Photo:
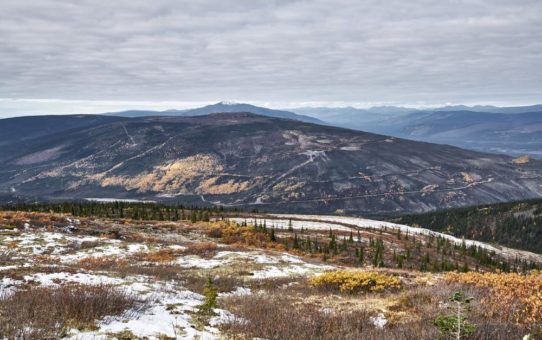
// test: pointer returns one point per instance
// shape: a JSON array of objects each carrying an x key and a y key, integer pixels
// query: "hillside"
[
  {"x": 508, "y": 130},
  {"x": 246, "y": 160},
  {"x": 130, "y": 271},
  {"x": 514, "y": 134},
  {"x": 22, "y": 129},
  {"x": 515, "y": 224}
]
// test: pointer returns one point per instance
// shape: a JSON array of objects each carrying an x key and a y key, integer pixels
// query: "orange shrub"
[
  {"x": 513, "y": 296},
  {"x": 201, "y": 248},
  {"x": 162, "y": 255},
  {"x": 12, "y": 244},
  {"x": 230, "y": 233}
]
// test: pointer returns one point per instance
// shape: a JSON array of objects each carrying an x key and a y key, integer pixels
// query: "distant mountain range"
[
  {"x": 251, "y": 161},
  {"x": 222, "y": 107},
  {"x": 508, "y": 130},
  {"x": 514, "y": 131},
  {"x": 514, "y": 134},
  {"x": 351, "y": 113}
]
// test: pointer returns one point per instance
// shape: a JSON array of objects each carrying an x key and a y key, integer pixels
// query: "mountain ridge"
[
  {"x": 220, "y": 107},
  {"x": 249, "y": 160}
]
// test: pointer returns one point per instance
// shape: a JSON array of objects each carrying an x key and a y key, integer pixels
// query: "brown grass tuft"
[
  {"x": 203, "y": 249},
  {"x": 101, "y": 263}
]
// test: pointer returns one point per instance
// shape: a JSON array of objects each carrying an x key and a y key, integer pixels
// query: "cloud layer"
[{"x": 394, "y": 51}]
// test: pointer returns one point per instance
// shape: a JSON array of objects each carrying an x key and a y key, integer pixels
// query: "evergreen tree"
[{"x": 272, "y": 236}]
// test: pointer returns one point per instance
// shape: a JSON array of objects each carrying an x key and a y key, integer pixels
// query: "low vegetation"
[
  {"x": 280, "y": 317},
  {"x": 513, "y": 297},
  {"x": 455, "y": 324},
  {"x": 64, "y": 276},
  {"x": 355, "y": 281},
  {"x": 49, "y": 312}
]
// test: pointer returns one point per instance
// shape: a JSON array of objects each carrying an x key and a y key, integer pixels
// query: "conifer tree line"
[
  {"x": 355, "y": 250},
  {"x": 352, "y": 246},
  {"x": 131, "y": 210},
  {"x": 516, "y": 224}
]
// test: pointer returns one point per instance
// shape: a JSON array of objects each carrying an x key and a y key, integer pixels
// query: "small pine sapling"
[
  {"x": 210, "y": 293},
  {"x": 456, "y": 325}
]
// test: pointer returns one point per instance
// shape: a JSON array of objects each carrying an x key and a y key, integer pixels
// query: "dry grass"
[
  {"x": 424, "y": 304},
  {"x": 47, "y": 313},
  {"x": 160, "y": 271},
  {"x": 6, "y": 257},
  {"x": 203, "y": 249},
  {"x": 19, "y": 272},
  {"x": 278, "y": 317},
  {"x": 291, "y": 308},
  {"x": 299, "y": 314},
  {"x": 195, "y": 282},
  {"x": 279, "y": 314},
  {"x": 101, "y": 263}
]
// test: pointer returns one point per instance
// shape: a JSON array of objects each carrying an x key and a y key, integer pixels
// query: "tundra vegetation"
[{"x": 129, "y": 271}]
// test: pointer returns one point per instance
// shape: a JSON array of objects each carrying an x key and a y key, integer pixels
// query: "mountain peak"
[{"x": 228, "y": 103}]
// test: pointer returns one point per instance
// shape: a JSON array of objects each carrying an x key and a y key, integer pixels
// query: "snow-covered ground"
[
  {"x": 126, "y": 200},
  {"x": 170, "y": 305},
  {"x": 168, "y": 314},
  {"x": 268, "y": 266},
  {"x": 297, "y": 225}
]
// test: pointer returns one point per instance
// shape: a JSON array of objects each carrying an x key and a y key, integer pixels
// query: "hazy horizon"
[{"x": 36, "y": 107}]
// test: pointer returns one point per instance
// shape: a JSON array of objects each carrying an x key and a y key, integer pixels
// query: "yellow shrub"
[
  {"x": 512, "y": 294},
  {"x": 232, "y": 234},
  {"x": 353, "y": 281}
]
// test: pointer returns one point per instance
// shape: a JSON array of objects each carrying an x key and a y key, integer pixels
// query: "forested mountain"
[
  {"x": 508, "y": 130},
  {"x": 221, "y": 107},
  {"x": 247, "y": 160},
  {"x": 515, "y": 224}
]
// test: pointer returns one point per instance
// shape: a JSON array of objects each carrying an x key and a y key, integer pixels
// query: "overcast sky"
[{"x": 95, "y": 55}]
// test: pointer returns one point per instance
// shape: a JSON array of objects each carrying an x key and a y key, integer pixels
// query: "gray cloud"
[{"x": 397, "y": 52}]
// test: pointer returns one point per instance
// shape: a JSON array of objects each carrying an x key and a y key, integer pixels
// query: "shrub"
[
  {"x": 512, "y": 297},
  {"x": 353, "y": 281},
  {"x": 101, "y": 263},
  {"x": 8, "y": 227},
  {"x": 201, "y": 248},
  {"x": 194, "y": 282},
  {"x": 230, "y": 233},
  {"x": 45, "y": 313},
  {"x": 282, "y": 317},
  {"x": 6, "y": 257},
  {"x": 162, "y": 255},
  {"x": 278, "y": 317}
]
